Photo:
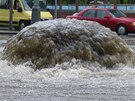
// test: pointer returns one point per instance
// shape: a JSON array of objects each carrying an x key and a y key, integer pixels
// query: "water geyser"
[{"x": 46, "y": 43}]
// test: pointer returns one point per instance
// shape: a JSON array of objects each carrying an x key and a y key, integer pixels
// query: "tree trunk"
[
  {"x": 105, "y": 1},
  {"x": 121, "y": 2}
]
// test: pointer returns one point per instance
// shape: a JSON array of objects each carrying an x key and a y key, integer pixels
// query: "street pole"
[
  {"x": 11, "y": 14},
  {"x": 35, "y": 12},
  {"x": 77, "y": 3},
  {"x": 55, "y": 14},
  {"x": 115, "y": 4},
  {"x": 95, "y": 3}
]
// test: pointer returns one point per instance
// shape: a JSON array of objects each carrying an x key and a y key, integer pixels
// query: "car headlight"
[
  {"x": 133, "y": 23},
  {"x": 30, "y": 18}
]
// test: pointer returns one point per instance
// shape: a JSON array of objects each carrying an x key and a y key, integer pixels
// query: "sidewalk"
[{"x": 5, "y": 30}]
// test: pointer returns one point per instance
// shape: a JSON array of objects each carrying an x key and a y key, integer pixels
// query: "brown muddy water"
[{"x": 69, "y": 81}]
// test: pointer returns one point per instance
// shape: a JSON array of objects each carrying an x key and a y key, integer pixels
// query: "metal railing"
[{"x": 123, "y": 7}]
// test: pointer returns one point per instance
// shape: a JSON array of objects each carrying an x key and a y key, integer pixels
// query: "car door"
[
  {"x": 101, "y": 17},
  {"x": 4, "y": 12},
  {"x": 88, "y": 15},
  {"x": 17, "y": 15}
]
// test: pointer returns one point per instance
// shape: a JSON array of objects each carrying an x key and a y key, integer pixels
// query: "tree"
[
  {"x": 121, "y": 1},
  {"x": 105, "y": 1},
  {"x": 133, "y": 1},
  {"x": 89, "y": 1}
]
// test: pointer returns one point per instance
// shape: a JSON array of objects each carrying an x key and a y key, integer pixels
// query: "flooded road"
[{"x": 67, "y": 81}]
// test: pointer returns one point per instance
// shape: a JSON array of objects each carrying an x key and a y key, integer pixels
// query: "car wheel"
[
  {"x": 17, "y": 28},
  {"x": 122, "y": 30},
  {"x": 21, "y": 25}
]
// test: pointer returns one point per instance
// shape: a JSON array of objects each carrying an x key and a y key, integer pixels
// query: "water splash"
[
  {"x": 53, "y": 42},
  {"x": 75, "y": 69}
]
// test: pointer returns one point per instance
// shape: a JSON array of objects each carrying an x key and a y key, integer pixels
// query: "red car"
[{"x": 116, "y": 20}]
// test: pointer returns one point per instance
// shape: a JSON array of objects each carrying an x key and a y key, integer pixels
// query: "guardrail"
[
  {"x": 124, "y": 7},
  {"x": 8, "y": 32}
]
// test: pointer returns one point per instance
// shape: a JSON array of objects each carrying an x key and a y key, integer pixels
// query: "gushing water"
[
  {"x": 68, "y": 81},
  {"x": 47, "y": 43},
  {"x": 72, "y": 80}
]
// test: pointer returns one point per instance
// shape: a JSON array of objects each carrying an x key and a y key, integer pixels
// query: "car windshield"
[
  {"x": 28, "y": 4},
  {"x": 117, "y": 13}
]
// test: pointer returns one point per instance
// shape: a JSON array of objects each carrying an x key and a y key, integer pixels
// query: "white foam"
[{"x": 64, "y": 71}]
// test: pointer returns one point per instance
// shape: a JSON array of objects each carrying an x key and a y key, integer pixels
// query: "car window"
[
  {"x": 90, "y": 13},
  {"x": 16, "y": 4},
  {"x": 117, "y": 13},
  {"x": 29, "y": 3},
  {"x": 101, "y": 14},
  {"x": 4, "y": 4}
]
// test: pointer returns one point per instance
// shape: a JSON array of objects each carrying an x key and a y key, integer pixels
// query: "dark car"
[{"x": 116, "y": 20}]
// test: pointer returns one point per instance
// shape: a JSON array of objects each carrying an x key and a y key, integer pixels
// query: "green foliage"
[
  {"x": 84, "y": 2},
  {"x": 124, "y": 1}
]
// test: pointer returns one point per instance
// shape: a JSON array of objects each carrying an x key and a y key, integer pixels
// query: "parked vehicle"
[
  {"x": 22, "y": 10},
  {"x": 116, "y": 20}
]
